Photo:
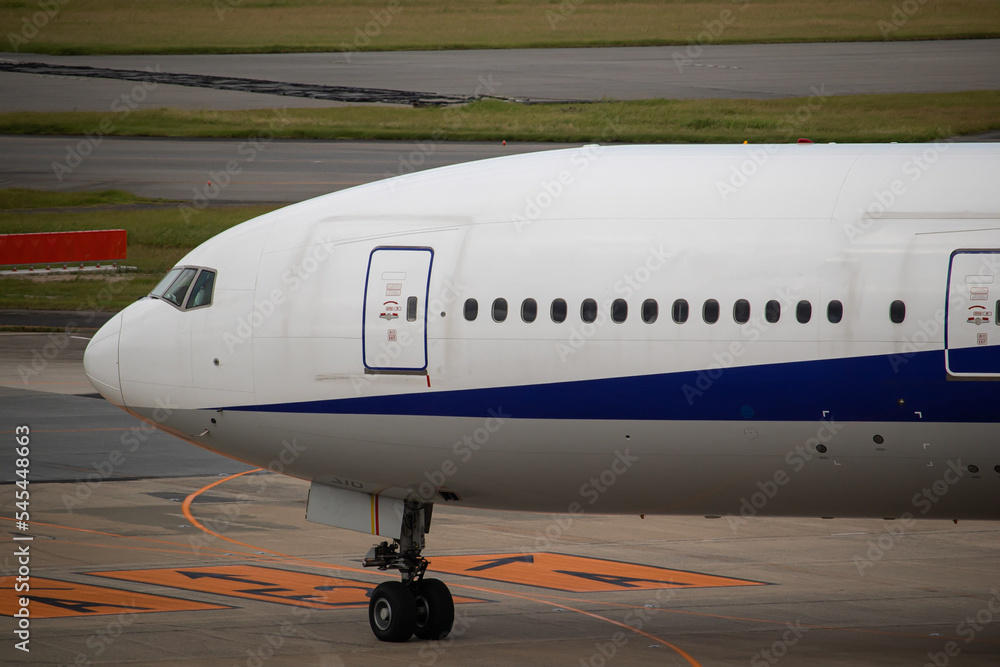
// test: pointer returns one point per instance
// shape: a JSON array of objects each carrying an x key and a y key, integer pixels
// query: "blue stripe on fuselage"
[{"x": 875, "y": 388}]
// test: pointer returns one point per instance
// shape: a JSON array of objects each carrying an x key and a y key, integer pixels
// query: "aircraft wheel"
[
  {"x": 392, "y": 612},
  {"x": 435, "y": 609}
]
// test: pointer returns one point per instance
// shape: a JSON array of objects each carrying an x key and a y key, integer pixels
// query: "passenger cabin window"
[
  {"x": 471, "y": 309},
  {"x": 499, "y": 310},
  {"x": 803, "y": 312},
  {"x": 186, "y": 287},
  {"x": 588, "y": 310},
  {"x": 650, "y": 311},
  {"x": 558, "y": 310},
  {"x": 710, "y": 311},
  {"x": 835, "y": 311},
  {"x": 411, "y": 309},
  {"x": 772, "y": 311},
  {"x": 619, "y": 311},
  {"x": 741, "y": 311},
  {"x": 679, "y": 311},
  {"x": 897, "y": 311},
  {"x": 529, "y": 310}
]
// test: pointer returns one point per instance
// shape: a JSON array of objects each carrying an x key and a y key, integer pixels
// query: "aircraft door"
[
  {"x": 972, "y": 326},
  {"x": 394, "y": 324}
]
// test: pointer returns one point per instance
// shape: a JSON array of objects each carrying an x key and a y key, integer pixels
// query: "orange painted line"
[
  {"x": 51, "y": 598},
  {"x": 578, "y": 574},
  {"x": 284, "y": 560},
  {"x": 761, "y": 621},
  {"x": 187, "y": 513},
  {"x": 153, "y": 549},
  {"x": 128, "y": 537},
  {"x": 490, "y": 591},
  {"x": 263, "y": 584},
  {"x": 252, "y": 582},
  {"x": 186, "y": 509},
  {"x": 681, "y": 652}
]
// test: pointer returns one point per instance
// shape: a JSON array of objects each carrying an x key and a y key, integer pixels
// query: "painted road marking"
[
  {"x": 577, "y": 574},
  {"x": 266, "y": 584},
  {"x": 51, "y": 598}
]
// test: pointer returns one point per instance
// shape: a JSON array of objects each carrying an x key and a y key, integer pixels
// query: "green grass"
[
  {"x": 157, "y": 239},
  {"x": 858, "y": 118},
  {"x": 23, "y": 198},
  {"x": 241, "y": 26}
]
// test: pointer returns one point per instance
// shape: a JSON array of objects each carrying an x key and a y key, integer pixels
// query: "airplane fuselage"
[{"x": 721, "y": 330}]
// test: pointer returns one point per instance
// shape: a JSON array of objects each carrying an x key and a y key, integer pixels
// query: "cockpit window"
[
  {"x": 162, "y": 286},
  {"x": 176, "y": 286},
  {"x": 201, "y": 293},
  {"x": 178, "y": 289}
]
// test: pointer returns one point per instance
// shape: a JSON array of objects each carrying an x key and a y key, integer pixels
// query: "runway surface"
[
  {"x": 241, "y": 170},
  {"x": 758, "y": 71},
  {"x": 258, "y": 170},
  {"x": 148, "y": 551}
]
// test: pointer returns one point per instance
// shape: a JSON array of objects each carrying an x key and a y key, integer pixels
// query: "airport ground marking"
[
  {"x": 53, "y": 598},
  {"x": 579, "y": 574},
  {"x": 263, "y": 584},
  {"x": 681, "y": 652},
  {"x": 187, "y": 550},
  {"x": 691, "y": 661},
  {"x": 540, "y": 598},
  {"x": 489, "y": 591}
]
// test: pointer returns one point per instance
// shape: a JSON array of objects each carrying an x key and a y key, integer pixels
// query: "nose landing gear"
[{"x": 415, "y": 605}]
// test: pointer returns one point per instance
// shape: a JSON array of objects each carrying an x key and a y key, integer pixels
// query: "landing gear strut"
[{"x": 414, "y": 606}]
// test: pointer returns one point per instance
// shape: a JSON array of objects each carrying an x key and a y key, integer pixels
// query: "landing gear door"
[
  {"x": 972, "y": 328},
  {"x": 394, "y": 324}
]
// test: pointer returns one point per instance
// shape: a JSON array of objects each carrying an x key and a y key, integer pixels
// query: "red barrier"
[{"x": 62, "y": 247}]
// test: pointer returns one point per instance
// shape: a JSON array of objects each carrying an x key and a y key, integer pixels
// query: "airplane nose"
[{"x": 100, "y": 361}]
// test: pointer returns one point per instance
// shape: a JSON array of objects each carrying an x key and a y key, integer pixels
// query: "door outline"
[
  {"x": 987, "y": 374},
  {"x": 396, "y": 370}
]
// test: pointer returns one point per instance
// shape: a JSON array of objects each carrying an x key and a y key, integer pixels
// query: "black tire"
[
  {"x": 435, "y": 609},
  {"x": 392, "y": 612}
]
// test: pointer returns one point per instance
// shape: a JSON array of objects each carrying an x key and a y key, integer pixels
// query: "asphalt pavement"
[{"x": 694, "y": 71}]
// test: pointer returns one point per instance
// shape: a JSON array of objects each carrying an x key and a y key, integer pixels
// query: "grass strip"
[
  {"x": 23, "y": 198},
  {"x": 157, "y": 239},
  {"x": 270, "y": 26},
  {"x": 849, "y": 118}
]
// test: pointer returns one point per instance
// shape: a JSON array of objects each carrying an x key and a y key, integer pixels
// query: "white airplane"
[{"x": 729, "y": 331}]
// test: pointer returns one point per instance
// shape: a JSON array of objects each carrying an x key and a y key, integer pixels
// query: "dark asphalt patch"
[{"x": 308, "y": 90}]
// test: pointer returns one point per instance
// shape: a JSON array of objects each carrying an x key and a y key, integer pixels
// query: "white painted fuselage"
[{"x": 803, "y": 330}]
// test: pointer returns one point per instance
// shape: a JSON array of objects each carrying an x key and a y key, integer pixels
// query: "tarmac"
[
  {"x": 692, "y": 71},
  {"x": 145, "y": 550}
]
